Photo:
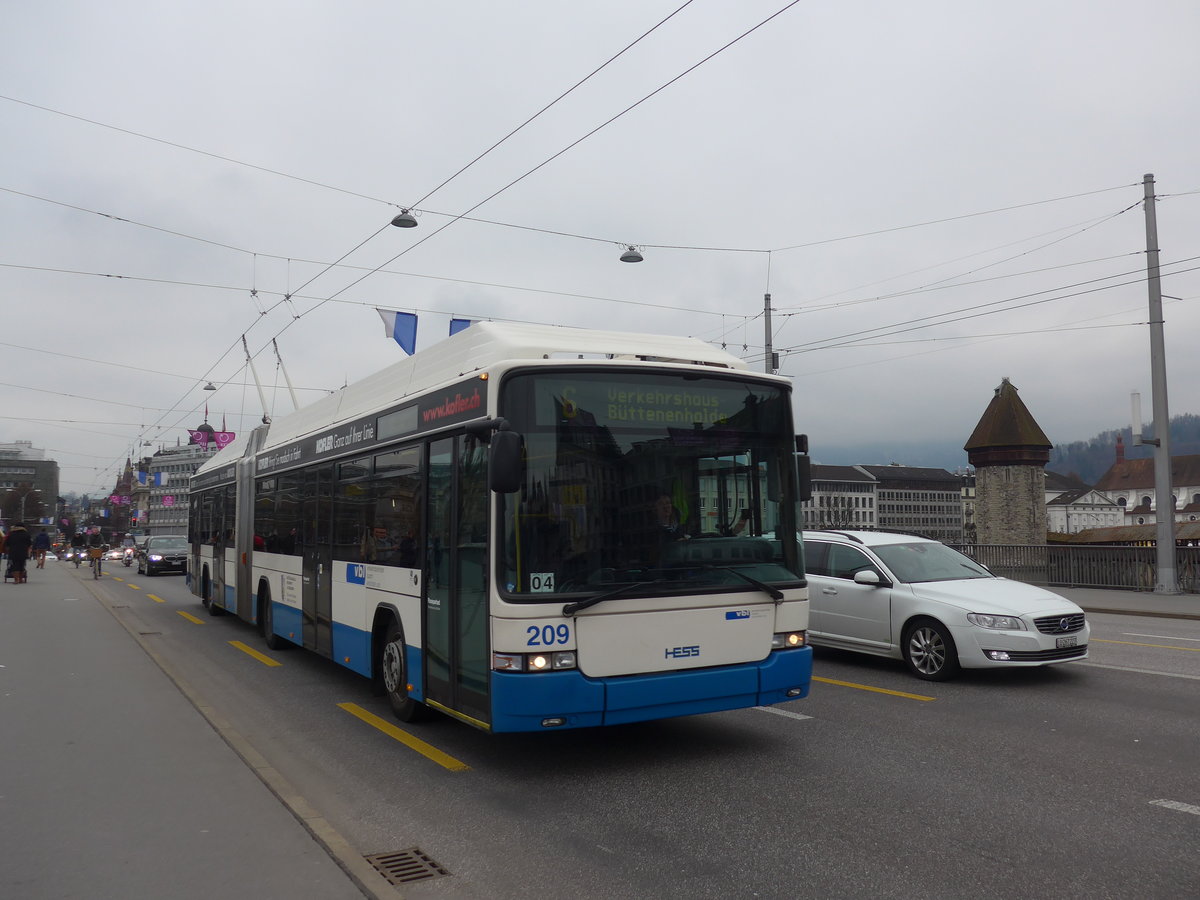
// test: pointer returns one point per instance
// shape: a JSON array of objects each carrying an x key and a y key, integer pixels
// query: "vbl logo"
[{"x": 682, "y": 652}]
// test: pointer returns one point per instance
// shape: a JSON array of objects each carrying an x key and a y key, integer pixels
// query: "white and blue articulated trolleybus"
[{"x": 526, "y": 527}]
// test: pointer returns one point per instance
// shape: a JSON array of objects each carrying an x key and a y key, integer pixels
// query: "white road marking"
[
  {"x": 782, "y": 712},
  {"x": 1175, "y": 804},
  {"x": 1163, "y": 637},
  {"x": 1092, "y": 665}
]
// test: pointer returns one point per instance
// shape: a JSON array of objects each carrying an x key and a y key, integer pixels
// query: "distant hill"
[
  {"x": 928, "y": 455},
  {"x": 1085, "y": 460},
  {"x": 1088, "y": 460}
]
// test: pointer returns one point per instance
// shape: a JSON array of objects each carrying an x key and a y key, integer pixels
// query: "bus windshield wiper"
[
  {"x": 773, "y": 592},
  {"x": 571, "y": 608}
]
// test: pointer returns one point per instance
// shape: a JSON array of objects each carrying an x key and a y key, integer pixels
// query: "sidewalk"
[
  {"x": 1133, "y": 603},
  {"x": 113, "y": 783}
]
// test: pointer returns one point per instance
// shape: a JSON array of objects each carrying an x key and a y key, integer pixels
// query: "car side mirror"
[{"x": 870, "y": 577}]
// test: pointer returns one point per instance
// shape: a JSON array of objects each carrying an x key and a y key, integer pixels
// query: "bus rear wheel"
[
  {"x": 394, "y": 668},
  {"x": 267, "y": 621}
]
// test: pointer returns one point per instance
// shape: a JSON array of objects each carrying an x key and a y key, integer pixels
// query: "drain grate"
[{"x": 406, "y": 866}]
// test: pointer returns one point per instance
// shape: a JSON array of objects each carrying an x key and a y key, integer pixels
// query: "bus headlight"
[
  {"x": 788, "y": 639},
  {"x": 508, "y": 662},
  {"x": 534, "y": 662}
]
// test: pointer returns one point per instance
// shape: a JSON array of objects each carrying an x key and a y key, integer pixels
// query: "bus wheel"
[
  {"x": 267, "y": 621},
  {"x": 213, "y": 609},
  {"x": 394, "y": 668}
]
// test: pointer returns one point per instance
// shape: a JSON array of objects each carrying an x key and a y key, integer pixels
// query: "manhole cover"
[{"x": 406, "y": 866}]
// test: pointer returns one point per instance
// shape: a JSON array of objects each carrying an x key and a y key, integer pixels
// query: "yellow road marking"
[
  {"x": 867, "y": 687},
  {"x": 261, "y": 657},
  {"x": 132, "y": 587},
  {"x": 190, "y": 617},
  {"x": 156, "y": 599},
  {"x": 115, "y": 578},
  {"x": 1136, "y": 644},
  {"x": 444, "y": 760}
]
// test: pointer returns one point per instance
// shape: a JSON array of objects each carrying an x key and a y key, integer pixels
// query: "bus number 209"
[{"x": 547, "y": 635}]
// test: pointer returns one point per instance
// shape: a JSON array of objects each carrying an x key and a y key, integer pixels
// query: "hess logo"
[{"x": 682, "y": 652}]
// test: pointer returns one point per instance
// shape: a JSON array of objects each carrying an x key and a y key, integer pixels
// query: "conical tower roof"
[{"x": 1007, "y": 434}]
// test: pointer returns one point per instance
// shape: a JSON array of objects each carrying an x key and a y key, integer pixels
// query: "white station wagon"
[{"x": 918, "y": 600}]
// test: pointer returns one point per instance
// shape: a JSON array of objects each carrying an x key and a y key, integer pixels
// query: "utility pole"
[
  {"x": 770, "y": 359},
  {"x": 1166, "y": 582}
]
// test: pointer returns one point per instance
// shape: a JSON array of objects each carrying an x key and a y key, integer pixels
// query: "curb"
[{"x": 350, "y": 861}]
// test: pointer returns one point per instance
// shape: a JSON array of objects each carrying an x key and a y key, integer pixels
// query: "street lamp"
[{"x": 24, "y": 496}]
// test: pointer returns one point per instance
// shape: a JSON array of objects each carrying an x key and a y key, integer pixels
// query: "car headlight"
[
  {"x": 996, "y": 623},
  {"x": 156, "y": 557}
]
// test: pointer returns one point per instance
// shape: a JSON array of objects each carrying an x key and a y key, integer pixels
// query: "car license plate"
[{"x": 1065, "y": 642}]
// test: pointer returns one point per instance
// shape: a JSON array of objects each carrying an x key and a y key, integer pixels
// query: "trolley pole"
[
  {"x": 770, "y": 360},
  {"x": 1164, "y": 518}
]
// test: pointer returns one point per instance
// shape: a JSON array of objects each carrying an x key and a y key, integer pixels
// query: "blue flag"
[{"x": 400, "y": 326}]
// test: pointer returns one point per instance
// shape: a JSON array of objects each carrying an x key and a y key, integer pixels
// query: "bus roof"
[{"x": 471, "y": 350}]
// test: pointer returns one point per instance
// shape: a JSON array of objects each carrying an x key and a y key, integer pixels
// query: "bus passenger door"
[
  {"x": 456, "y": 609},
  {"x": 317, "y": 560}
]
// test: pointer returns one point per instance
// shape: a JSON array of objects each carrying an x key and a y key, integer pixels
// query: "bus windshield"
[{"x": 676, "y": 482}]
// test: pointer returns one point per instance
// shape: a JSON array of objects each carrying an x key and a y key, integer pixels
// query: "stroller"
[{"x": 15, "y": 571}]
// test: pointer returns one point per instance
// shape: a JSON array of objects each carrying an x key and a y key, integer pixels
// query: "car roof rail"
[{"x": 845, "y": 534}]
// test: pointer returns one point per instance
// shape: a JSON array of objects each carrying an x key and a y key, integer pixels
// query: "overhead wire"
[
  {"x": 560, "y": 97},
  {"x": 958, "y": 218},
  {"x": 554, "y": 156},
  {"x": 971, "y": 312},
  {"x": 461, "y": 217},
  {"x": 1087, "y": 224}
]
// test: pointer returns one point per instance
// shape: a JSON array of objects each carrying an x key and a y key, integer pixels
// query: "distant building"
[
  {"x": 167, "y": 485},
  {"x": 1009, "y": 451},
  {"x": 843, "y": 497},
  {"x": 1072, "y": 506},
  {"x": 967, "y": 489},
  {"x": 1130, "y": 484},
  {"x": 23, "y": 465},
  {"x": 924, "y": 501}
]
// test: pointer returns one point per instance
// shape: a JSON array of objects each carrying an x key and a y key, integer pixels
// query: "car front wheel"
[{"x": 929, "y": 650}]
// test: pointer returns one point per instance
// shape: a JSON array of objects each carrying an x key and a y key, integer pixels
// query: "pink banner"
[{"x": 220, "y": 438}]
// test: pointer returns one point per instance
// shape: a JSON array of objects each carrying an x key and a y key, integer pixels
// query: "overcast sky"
[{"x": 937, "y": 195}]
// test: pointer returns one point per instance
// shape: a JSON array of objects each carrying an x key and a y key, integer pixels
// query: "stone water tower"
[{"x": 1009, "y": 452}]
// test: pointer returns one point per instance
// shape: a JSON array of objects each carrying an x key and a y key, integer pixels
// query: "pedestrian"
[
  {"x": 17, "y": 545},
  {"x": 41, "y": 544}
]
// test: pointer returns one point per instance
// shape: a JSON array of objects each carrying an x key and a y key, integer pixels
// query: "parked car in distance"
[
  {"x": 915, "y": 599},
  {"x": 163, "y": 553}
]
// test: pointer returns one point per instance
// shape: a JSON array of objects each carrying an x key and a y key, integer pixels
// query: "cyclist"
[
  {"x": 78, "y": 543},
  {"x": 96, "y": 548}
]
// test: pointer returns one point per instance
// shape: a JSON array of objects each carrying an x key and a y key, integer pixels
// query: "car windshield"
[
  {"x": 928, "y": 561},
  {"x": 168, "y": 543}
]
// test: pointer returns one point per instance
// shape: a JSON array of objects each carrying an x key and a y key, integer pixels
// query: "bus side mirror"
[
  {"x": 505, "y": 467},
  {"x": 804, "y": 477}
]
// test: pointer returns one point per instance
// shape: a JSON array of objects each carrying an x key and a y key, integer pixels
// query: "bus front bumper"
[{"x": 569, "y": 699}]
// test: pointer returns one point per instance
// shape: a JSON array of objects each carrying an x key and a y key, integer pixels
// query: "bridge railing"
[{"x": 1116, "y": 567}]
